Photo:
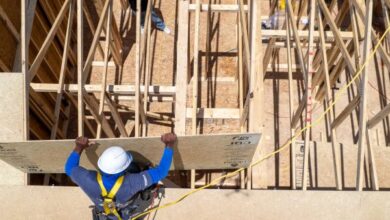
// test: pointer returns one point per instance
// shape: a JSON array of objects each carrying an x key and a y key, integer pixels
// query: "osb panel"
[{"x": 191, "y": 152}]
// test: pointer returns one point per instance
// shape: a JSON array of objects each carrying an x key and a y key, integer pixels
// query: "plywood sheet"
[
  {"x": 192, "y": 152},
  {"x": 11, "y": 111},
  {"x": 11, "y": 122}
]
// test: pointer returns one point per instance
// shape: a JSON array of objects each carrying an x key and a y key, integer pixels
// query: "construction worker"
[
  {"x": 160, "y": 25},
  {"x": 111, "y": 186}
]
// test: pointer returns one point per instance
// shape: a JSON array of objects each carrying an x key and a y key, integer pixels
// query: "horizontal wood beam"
[
  {"x": 217, "y": 7},
  {"x": 151, "y": 98},
  {"x": 283, "y": 44},
  {"x": 304, "y": 35},
  {"x": 101, "y": 64},
  {"x": 154, "y": 115},
  {"x": 113, "y": 89},
  {"x": 216, "y": 113}
]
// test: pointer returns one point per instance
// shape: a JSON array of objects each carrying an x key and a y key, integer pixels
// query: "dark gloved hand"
[
  {"x": 81, "y": 144},
  {"x": 169, "y": 139}
]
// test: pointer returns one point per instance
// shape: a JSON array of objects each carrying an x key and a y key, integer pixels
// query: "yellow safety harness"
[{"x": 108, "y": 202}]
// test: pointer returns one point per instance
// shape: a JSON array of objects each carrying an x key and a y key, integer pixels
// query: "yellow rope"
[{"x": 315, "y": 123}]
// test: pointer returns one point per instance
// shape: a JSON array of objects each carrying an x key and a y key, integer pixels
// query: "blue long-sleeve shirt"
[{"x": 156, "y": 174}]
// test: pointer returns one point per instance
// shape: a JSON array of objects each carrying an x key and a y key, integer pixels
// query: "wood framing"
[
  {"x": 363, "y": 105},
  {"x": 182, "y": 69},
  {"x": 80, "y": 70},
  {"x": 228, "y": 66}
]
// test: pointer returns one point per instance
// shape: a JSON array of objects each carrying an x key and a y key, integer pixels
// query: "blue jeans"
[{"x": 155, "y": 19}]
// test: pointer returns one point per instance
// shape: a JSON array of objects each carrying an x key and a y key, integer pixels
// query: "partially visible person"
[
  {"x": 158, "y": 22},
  {"x": 111, "y": 187}
]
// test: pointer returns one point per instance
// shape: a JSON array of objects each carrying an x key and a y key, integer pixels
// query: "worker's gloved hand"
[
  {"x": 81, "y": 144},
  {"x": 168, "y": 139}
]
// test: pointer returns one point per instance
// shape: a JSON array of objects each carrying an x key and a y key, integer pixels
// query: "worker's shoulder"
[
  {"x": 137, "y": 181},
  {"x": 82, "y": 176},
  {"x": 129, "y": 177},
  {"x": 81, "y": 171}
]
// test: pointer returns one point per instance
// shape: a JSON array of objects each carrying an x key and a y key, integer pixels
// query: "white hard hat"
[{"x": 114, "y": 160}]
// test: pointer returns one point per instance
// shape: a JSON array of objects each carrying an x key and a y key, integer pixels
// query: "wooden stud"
[
  {"x": 362, "y": 143},
  {"x": 309, "y": 100},
  {"x": 137, "y": 69},
  {"x": 148, "y": 61},
  {"x": 256, "y": 174},
  {"x": 355, "y": 30},
  {"x": 25, "y": 62},
  {"x": 372, "y": 163},
  {"x": 291, "y": 104},
  {"x": 182, "y": 69},
  {"x": 104, "y": 75},
  {"x": 195, "y": 81},
  {"x": 30, "y": 19},
  {"x": 62, "y": 72},
  {"x": 240, "y": 68},
  {"x": 80, "y": 65},
  {"x": 336, "y": 157},
  {"x": 245, "y": 33}
]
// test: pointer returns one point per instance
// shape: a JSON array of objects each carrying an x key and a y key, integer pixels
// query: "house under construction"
[{"x": 281, "y": 107}]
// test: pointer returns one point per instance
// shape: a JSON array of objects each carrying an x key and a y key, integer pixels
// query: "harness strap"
[{"x": 108, "y": 202}]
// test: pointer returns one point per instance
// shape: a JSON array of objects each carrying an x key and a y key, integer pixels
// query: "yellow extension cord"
[{"x": 315, "y": 123}]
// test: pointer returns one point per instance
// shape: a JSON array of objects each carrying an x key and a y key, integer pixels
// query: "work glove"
[
  {"x": 169, "y": 139},
  {"x": 81, "y": 143}
]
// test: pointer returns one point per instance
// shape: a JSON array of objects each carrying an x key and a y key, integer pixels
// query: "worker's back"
[{"x": 132, "y": 184}]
